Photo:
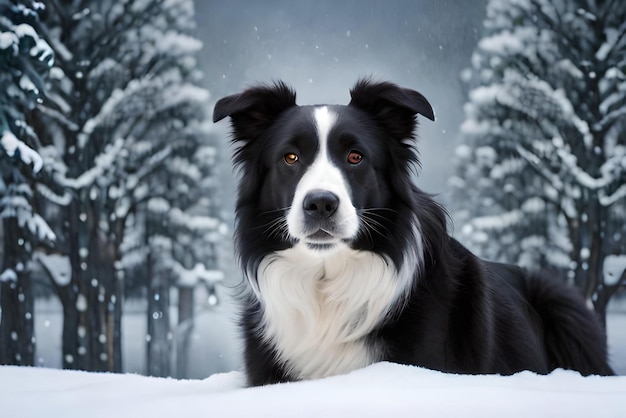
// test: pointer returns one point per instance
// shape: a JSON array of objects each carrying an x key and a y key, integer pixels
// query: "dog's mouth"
[
  {"x": 320, "y": 236},
  {"x": 321, "y": 240}
]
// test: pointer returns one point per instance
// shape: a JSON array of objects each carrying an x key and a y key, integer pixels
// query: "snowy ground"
[{"x": 381, "y": 390}]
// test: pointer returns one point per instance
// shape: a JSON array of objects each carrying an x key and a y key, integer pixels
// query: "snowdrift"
[{"x": 381, "y": 390}]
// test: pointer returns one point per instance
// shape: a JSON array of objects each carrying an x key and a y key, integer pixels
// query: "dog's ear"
[
  {"x": 254, "y": 109},
  {"x": 393, "y": 106}
]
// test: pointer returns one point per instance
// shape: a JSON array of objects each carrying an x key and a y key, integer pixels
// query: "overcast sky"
[{"x": 322, "y": 47}]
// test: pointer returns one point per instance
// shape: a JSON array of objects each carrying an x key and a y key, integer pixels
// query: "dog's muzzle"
[{"x": 319, "y": 208}]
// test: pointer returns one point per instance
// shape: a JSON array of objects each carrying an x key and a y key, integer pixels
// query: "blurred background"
[{"x": 117, "y": 193}]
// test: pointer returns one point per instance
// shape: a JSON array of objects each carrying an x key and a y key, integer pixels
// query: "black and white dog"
[{"x": 349, "y": 263}]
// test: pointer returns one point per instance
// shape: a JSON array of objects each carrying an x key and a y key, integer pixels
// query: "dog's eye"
[
  {"x": 355, "y": 157},
  {"x": 291, "y": 158}
]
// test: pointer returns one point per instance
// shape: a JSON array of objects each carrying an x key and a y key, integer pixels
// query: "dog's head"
[{"x": 322, "y": 176}]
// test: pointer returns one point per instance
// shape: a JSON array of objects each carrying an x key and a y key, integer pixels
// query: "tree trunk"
[
  {"x": 100, "y": 278},
  {"x": 184, "y": 329},
  {"x": 17, "y": 332},
  {"x": 159, "y": 333},
  {"x": 597, "y": 217},
  {"x": 70, "y": 331},
  {"x": 17, "y": 339},
  {"x": 92, "y": 301},
  {"x": 115, "y": 335},
  {"x": 75, "y": 296}
]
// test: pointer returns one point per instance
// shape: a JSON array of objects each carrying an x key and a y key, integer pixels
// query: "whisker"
[
  {"x": 273, "y": 221},
  {"x": 376, "y": 227},
  {"x": 269, "y": 212},
  {"x": 277, "y": 228},
  {"x": 265, "y": 225},
  {"x": 370, "y": 224},
  {"x": 374, "y": 212}
]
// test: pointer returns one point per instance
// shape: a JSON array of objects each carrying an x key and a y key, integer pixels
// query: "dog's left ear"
[
  {"x": 393, "y": 106},
  {"x": 253, "y": 110}
]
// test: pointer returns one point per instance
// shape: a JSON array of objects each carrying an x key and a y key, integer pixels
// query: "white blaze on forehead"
[
  {"x": 324, "y": 121},
  {"x": 322, "y": 174}
]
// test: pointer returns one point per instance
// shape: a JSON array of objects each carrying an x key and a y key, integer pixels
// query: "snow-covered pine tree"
[
  {"x": 128, "y": 104},
  {"x": 172, "y": 241},
  {"x": 25, "y": 60},
  {"x": 195, "y": 231},
  {"x": 180, "y": 226},
  {"x": 541, "y": 178}
]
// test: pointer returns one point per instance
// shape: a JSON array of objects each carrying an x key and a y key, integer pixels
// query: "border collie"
[{"x": 349, "y": 263}]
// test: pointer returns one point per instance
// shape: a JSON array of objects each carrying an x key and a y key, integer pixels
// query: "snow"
[
  {"x": 11, "y": 145},
  {"x": 612, "y": 38},
  {"x": 498, "y": 222},
  {"x": 45, "y": 191},
  {"x": 24, "y": 29},
  {"x": 81, "y": 303},
  {"x": 58, "y": 267},
  {"x": 199, "y": 273},
  {"x": 616, "y": 196},
  {"x": 383, "y": 389},
  {"x": 173, "y": 41},
  {"x": 485, "y": 95},
  {"x": 8, "y": 275},
  {"x": 107, "y": 65},
  {"x": 502, "y": 43},
  {"x": 184, "y": 94},
  {"x": 9, "y": 39},
  {"x": 473, "y": 127},
  {"x": 36, "y": 225},
  {"x": 463, "y": 151},
  {"x": 533, "y": 205},
  {"x": 27, "y": 85},
  {"x": 570, "y": 68},
  {"x": 103, "y": 162},
  {"x": 43, "y": 51},
  {"x": 180, "y": 218},
  {"x": 614, "y": 266},
  {"x": 486, "y": 155}
]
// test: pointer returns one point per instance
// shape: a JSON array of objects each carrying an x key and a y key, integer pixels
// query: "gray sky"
[{"x": 322, "y": 47}]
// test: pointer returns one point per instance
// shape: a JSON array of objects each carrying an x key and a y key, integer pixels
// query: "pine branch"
[
  {"x": 58, "y": 117},
  {"x": 616, "y": 196},
  {"x": 614, "y": 49},
  {"x": 611, "y": 118}
]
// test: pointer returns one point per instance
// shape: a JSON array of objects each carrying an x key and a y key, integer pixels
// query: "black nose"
[{"x": 320, "y": 204}]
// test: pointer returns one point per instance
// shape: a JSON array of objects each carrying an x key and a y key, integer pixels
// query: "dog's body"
[{"x": 348, "y": 263}]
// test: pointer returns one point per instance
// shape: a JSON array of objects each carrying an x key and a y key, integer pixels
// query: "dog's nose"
[{"x": 320, "y": 204}]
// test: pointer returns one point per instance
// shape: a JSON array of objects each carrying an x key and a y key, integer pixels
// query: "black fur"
[{"x": 462, "y": 314}]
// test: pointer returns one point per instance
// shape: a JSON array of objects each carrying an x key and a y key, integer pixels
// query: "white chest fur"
[{"x": 318, "y": 309}]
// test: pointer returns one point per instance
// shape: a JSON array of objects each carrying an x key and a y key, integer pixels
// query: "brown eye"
[
  {"x": 291, "y": 158},
  {"x": 355, "y": 157}
]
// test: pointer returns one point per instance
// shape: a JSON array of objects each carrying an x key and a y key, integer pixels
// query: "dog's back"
[{"x": 471, "y": 316}]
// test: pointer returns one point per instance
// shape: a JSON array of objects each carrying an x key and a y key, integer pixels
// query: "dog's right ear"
[
  {"x": 254, "y": 109},
  {"x": 393, "y": 106}
]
